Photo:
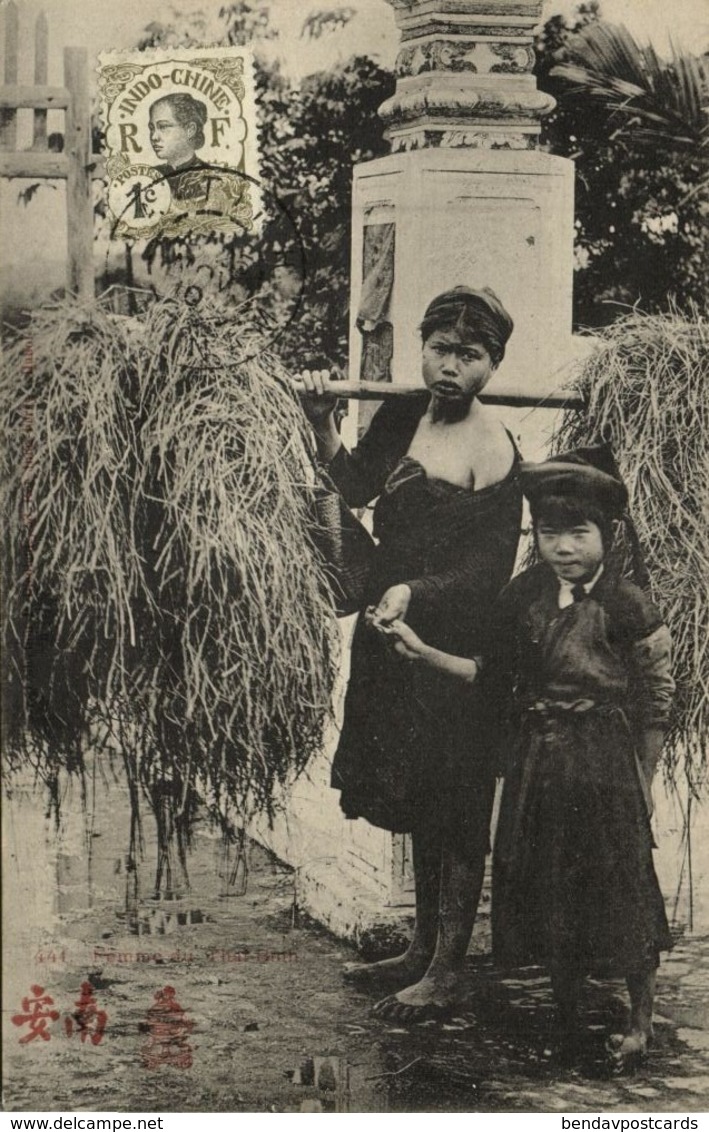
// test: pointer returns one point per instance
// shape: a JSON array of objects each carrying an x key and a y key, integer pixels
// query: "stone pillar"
[{"x": 470, "y": 196}]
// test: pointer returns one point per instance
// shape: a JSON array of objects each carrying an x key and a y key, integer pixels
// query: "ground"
[{"x": 273, "y": 1026}]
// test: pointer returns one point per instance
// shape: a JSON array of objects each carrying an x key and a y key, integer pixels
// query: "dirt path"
[{"x": 265, "y": 1022}]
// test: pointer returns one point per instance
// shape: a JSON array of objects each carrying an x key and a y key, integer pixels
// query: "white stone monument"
[
  {"x": 471, "y": 197},
  {"x": 467, "y": 197}
]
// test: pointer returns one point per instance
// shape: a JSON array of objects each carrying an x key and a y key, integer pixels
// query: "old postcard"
[{"x": 354, "y": 652}]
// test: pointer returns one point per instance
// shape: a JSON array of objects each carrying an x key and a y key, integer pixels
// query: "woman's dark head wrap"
[{"x": 474, "y": 314}]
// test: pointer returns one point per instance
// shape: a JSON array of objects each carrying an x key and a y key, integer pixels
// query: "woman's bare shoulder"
[{"x": 494, "y": 451}]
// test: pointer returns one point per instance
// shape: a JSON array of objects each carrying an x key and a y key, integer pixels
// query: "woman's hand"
[
  {"x": 317, "y": 401},
  {"x": 393, "y": 606}
]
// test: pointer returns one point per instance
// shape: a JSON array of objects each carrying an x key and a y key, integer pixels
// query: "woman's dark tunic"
[
  {"x": 414, "y": 745},
  {"x": 573, "y": 879}
]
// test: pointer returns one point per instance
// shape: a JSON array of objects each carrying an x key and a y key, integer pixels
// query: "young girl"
[{"x": 588, "y": 658}]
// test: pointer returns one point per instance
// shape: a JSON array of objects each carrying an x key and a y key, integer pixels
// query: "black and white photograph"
[{"x": 354, "y": 643}]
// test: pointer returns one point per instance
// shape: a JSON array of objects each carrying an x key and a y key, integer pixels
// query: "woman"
[
  {"x": 176, "y": 128},
  {"x": 414, "y": 753}
]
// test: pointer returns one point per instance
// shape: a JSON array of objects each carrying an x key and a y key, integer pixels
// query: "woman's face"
[
  {"x": 172, "y": 142},
  {"x": 453, "y": 369}
]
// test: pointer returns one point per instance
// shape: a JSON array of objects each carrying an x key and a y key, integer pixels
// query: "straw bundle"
[
  {"x": 162, "y": 589},
  {"x": 71, "y": 566},
  {"x": 646, "y": 393}
]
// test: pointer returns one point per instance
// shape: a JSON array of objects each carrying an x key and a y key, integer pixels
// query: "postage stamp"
[{"x": 181, "y": 141}]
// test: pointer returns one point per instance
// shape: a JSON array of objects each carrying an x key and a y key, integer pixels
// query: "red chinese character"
[
  {"x": 36, "y": 1015},
  {"x": 90, "y": 1022},
  {"x": 169, "y": 1030}
]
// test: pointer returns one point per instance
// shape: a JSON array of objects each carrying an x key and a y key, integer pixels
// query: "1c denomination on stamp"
[{"x": 181, "y": 141}]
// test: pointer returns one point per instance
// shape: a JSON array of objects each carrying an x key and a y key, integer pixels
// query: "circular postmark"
[{"x": 206, "y": 252}]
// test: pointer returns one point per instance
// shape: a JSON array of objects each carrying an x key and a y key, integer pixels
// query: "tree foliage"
[
  {"x": 636, "y": 127},
  {"x": 332, "y": 123},
  {"x": 326, "y": 22}
]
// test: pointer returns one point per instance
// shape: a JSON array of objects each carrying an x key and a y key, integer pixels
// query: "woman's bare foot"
[
  {"x": 626, "y": 1050},
  {"x": 434, "y": 996},
  {"x": 402, "y": 970}
]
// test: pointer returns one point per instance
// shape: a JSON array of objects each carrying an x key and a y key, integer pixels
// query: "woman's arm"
[
  {"x": 318, "y": 404},
  {"x": 481, "y": 567},
  {"x": 360, "y": 474}
]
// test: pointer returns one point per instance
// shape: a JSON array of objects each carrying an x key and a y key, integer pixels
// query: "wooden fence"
[{"x": 74, "y": 164}]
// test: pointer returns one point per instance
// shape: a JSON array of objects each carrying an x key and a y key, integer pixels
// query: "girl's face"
[{"x": 574, "y": 553}]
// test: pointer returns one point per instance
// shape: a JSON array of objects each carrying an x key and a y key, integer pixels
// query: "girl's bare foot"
[
  {"x": 625, "y": 1051},
  {"x": 402, "y": 970}
]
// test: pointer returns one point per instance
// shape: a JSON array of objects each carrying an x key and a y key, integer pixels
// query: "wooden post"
[
  {"x": 8, "y": 118},
  {"x": 80, "y": 226},
  {"x": 41, "y": 37}
]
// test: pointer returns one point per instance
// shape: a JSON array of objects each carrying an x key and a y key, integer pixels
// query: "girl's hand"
[
  {"x": 392, "y": 606},
  {"x": 317, "y": 401},
  {"x": 650, "y": 746},
  {"x": 404, "y": 641}
]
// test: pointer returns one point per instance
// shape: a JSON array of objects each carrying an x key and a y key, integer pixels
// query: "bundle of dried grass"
[
  {"x": 71, "y": 566},
  {"x": 645, "y": 392},
  {"x": 162, "y": 590}
]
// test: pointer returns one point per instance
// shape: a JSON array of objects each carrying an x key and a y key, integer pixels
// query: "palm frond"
[{"x": 630, "y": 80}]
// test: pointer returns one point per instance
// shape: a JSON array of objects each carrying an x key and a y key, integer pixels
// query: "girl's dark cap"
[{"x": 584, "y": 474}]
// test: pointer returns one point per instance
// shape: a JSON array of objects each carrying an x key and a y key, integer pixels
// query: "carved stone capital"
[
  {"x": 469, "y": 62},
  {"x": 478, "y": 57},
  {"x": 451, "y": 137}
]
